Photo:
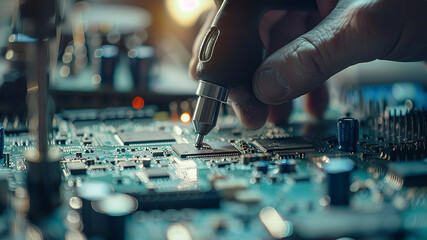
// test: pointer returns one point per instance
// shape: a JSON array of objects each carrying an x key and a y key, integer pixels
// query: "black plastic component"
[
  {"x": 178, "y": 200},
  {"x": 108, "y": 57},
  {"x": 262, "y": 166},
  {"x": 338, "y": 172},
  {"x": 281, "y": 144},
  {"x": 77, "y": 168},
  {"x": 155, "y": 173},
  {"x": 1, "y": 142},
  {"x": 286, "y": 165},
  {"x": 211, "y": 149},
  {"x": 145, "y": 137},
  {"x": 127, "y": 165},
  {"x": 157, "y": 153}
]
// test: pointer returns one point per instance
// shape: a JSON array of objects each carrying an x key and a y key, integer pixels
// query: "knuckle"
[
  {"x": 363, "y": 17},
  {"x": 309, "y": 58}
]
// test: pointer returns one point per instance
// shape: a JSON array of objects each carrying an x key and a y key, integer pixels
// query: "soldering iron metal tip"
[{"x": 199, "y": 141}]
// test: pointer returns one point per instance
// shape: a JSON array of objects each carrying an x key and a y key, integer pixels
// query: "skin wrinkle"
[{"x": 316, "y": 56}]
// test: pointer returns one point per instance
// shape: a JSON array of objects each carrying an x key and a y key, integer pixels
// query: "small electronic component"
[
  {"x": 222, "y": 164},
  {"x": 127, "y": 165},
  {"x": 1, "y": 142},
  {"x": 146, "y": 162},
  {"x": 60, "y": 140},
  {"x": 348, "y": 134},
  {"x": 97, "y": 168},
  {"x": 338, "y": 172},
  {"x": 286, "y": 165},
  {"x": 262, "y": 166},
  {"x": 208, "y": 150},
  {"x": 282, "y": 144},
  {"x": 156, "y": 173},
  {"x": 178, "y": 200},
  {"x": 409, "y": 174},
  {"x": 90, "y": 162},
  {"x": 157, "y": 153},
  {"x": 253, "y": 157},
  {"x": 4, "y": 186},
  {"x": 145, "y": 137},
  {"x": 77, "y": 168}
]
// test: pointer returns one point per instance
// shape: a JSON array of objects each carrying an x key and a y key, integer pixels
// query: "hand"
[{"x": 352, "y": 31}]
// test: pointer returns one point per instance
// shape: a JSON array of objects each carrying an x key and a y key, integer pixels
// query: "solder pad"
[
  {"x": 281, "y": 144},
  {"x": 145, "y": 137},
  {"x": 213, "y": 148}
]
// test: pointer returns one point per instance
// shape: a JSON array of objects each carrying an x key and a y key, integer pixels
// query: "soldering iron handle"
[{"x": 232, "y": 49}]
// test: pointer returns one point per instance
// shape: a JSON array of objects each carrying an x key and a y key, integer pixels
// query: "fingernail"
[{"x": 272, "y": 85}]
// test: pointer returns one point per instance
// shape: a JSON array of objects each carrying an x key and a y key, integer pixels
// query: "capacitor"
[
  {"x": 348, "y": 134},
  {"x": 89, "y": 192},
  {"x": 43, "y": 183},
  {"x": 1, "y": 142},
  {"x": 4, "y": 190},
  {"x": 262, "y": 166},
  {"x": 107, "y": 57},
  {"x": 141, "y": 60},
  {"x": 6, "y": 159},
  {"x": 286, "y": 165},
  {"x": 338, "y": 172},
  {"x": 111, "y": 213}
]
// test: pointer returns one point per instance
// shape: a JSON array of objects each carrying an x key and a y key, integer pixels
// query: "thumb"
[{"x": 339, "y": 41}]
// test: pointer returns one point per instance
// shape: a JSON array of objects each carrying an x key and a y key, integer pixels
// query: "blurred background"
[
  {"x": 111, "y": 53},
  {"x": 136, "y": 52}
]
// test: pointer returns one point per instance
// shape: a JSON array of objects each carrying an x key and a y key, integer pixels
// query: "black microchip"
[
  {"x": 77, "y": 168},
  {"x": 223, "y": 164},
  {"x": 145, "y": 137},
  {"x": 97, "y": 168},
  {"x": 60, "y": 140},
  {"x": 413, "y": 174},
  {"x": 90, "y": 162},
  {"x": 211, "y": 149},
  {"x": 157, "y": 153},
  {"x": 127, "y": 165},
  {"x": 282, "y": 144},
  {"x": 155, "y": 173}
]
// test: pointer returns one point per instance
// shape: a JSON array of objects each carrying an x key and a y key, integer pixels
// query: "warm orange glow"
[
  {"x": 186, "y": 12},
  {"x": 138, "y": 102},
  {"x": 185, "y": 117}
]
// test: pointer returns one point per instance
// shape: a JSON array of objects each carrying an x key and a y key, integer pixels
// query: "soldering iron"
[{"x": 230, "y": 54}]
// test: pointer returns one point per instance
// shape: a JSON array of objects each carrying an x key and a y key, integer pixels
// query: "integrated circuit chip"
[
  {"x": 211, "y": 149},
  {"x": 155, "y": 173},
  {"x": 145, "y": 137},
  {"x": 127, "y": 165},
  {"x": 77, "y": 168},
  {"x": 282, "y": 144}
]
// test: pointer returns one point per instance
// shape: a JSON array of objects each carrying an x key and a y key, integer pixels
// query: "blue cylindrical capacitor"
[
  {"x": 1, "y": 142},
  {"x": 348, "y": 134}
]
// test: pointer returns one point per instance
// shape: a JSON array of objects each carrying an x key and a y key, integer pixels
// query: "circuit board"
[{"x": 269, "y": 183}]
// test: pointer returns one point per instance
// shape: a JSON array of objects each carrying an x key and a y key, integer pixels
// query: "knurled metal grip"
[{"x": 212, "y": 91}]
